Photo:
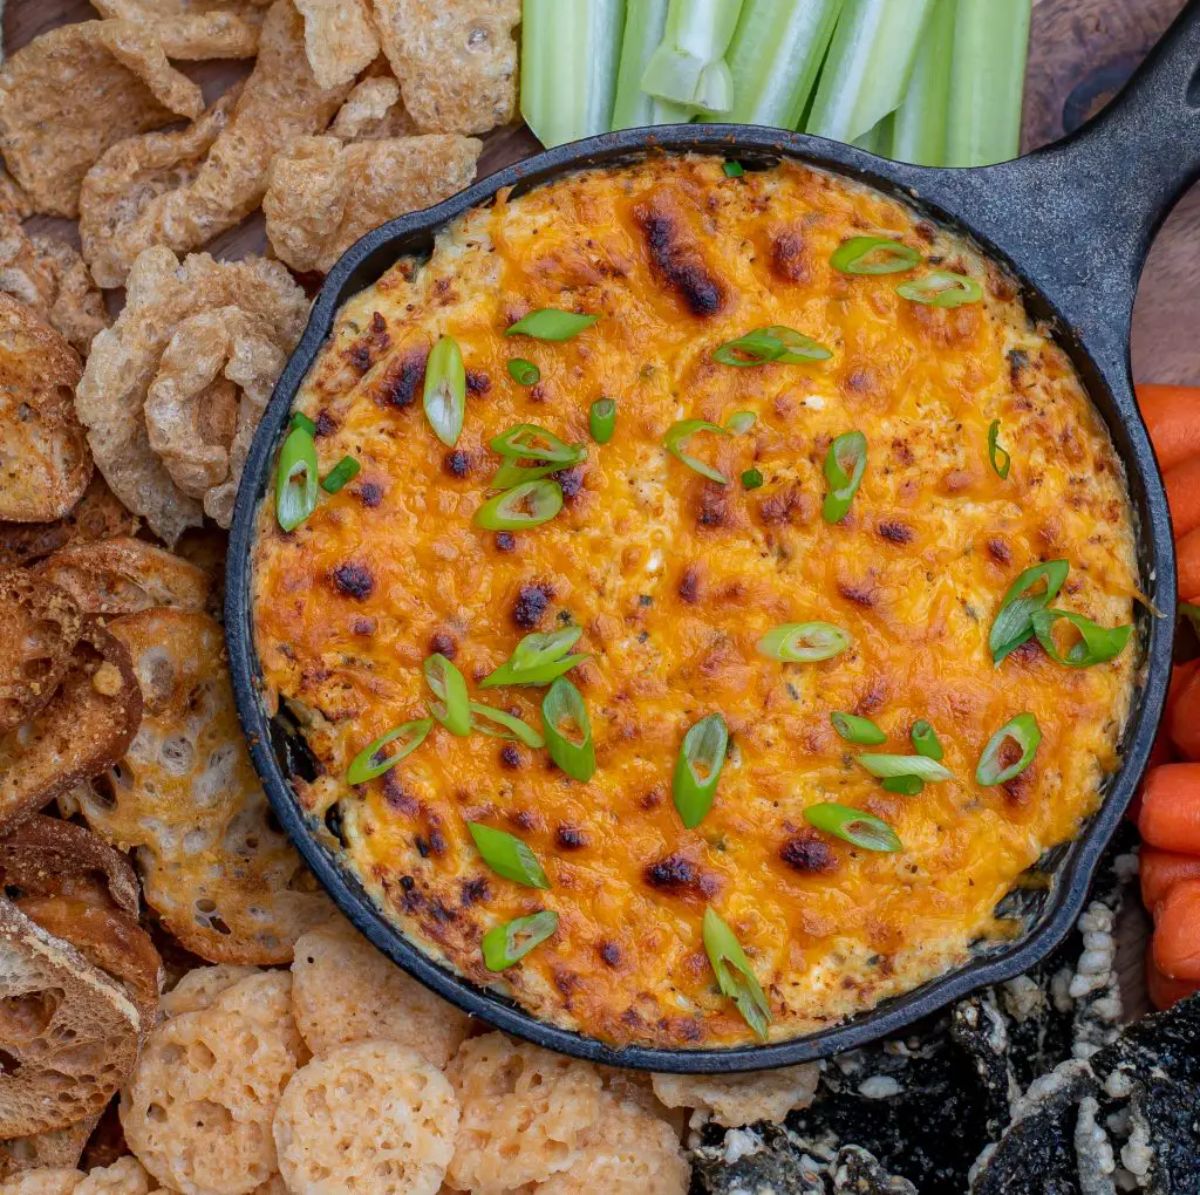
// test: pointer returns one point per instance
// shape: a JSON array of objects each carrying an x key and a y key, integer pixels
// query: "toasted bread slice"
[
  {"x": 71, "y": 1032},
  {"x": 85, "y": 727},
  {"x": 45, "y": 464},
  {"x": 125, "y": 575},
  {"x": 39, "y": 627},
  {"x": 223, "y": 878}
]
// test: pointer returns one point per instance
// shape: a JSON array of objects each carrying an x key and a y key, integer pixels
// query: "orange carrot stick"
[
  {"x": 1161, "y": 753},
  {"x": 1161, "y": 870},
  {"x": 1162, "y": 989},
  {"x": 1183, "y": 724},
  {"x": 1183, "y": 495},
  {"x": 1187, "y": 560},
  {"x": 1177, "y": 932},
  {"x": 1170, "y": 817},
  {"x": 1180, "y": 675},
  {"x": 1172, "y": 415}
]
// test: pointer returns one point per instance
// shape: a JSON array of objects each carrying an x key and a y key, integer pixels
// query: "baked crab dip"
[{"x": 704, "y": 593}]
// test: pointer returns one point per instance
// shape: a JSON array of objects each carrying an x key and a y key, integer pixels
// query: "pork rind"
[
  {"x": 76, "y": 90},
  {"x": 198, "y": 1110},
  {"x": 457, "y": 63},
  {"x": 525, "y": 1114},
  {"x": 149, "y": 341},
  {"x": 45, "y": 465},
  {"x": 126, "y": 1176},
  {"x": 205, "y": 29},
  {"x": 339, "y": 39},
  {"x": 735, "y": 1100},
  {"x": 55, "y": 1149},
  {"x": 373, "y": 1117},
  {"x": 99, "y": 514},
  {"x": 223, "y": 878},
  {"x": 373, "y": 111},
  {"x": 324, "y": 195},
  {"x": 199, "y": 988},
  {"x": 87, "y": 725},
  {"x": 50, "y": 1181},
  {"x": 344, "y": 990},
  {"x": 281, "y": 100},
  {"x": 125, "y": 575}
]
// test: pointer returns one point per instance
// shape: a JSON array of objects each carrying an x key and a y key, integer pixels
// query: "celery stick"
[
  {"x": 776, "y": 53},
  {"x": 919, "y": 129},
  {"x": 645, "y": 22},
  {"x": 689, "y": 66},
  {"x": 870, "y": 60},
  {"x": 987, "y": 81},
  {"x": 569, "y": 52},
  {"x": 877, "y": 139}
]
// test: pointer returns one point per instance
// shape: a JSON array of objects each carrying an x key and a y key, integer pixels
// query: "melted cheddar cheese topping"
[{"x": 674, "y": 578}]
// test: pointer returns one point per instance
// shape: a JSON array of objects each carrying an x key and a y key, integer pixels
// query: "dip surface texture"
[{"x": 674, "y": 578}]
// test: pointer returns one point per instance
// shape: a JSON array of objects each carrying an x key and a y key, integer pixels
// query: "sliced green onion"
[
  {"x": 347, "y": 469},
  {"x": 527, "y": 441},
  {"x": 868, "y": 67},
  {"x": 1191, "y": 612},
  {"x": 1001, "y": 461},
  {"x": 645, "y": 23},
  {"x": 741, "y": 422},
  {"x": 689, "y": 65},
  {"x": 508, "y": 856},
  {"x": 569, "y": 56},
  {"x": 551, "y": 324},
  {"x": 453, "y": 708},
  {"x": 751, "y": 479},
  {"x": 602, "y": 419},
  {"x": 853, "y": 826},
  {"x": 445, "y": 395},
  {"x": 873, "y": 255},
  {"x": 698, "y": 768},
  {"x": 371, "y": 762},
  {"x": 300, "y": 419},
  {"x": 523, "y": 372},
  {"x": 538, "y": 659},
  {"x": 858, "y": 730},
  {"x": 1023, "y": 730},
  {"x": 677, "y": 437},
  {"x": 504, "y": 945},
  {"x": 734, "y": 975},
  {"x": 987, "y": 79},
  {"x": 775, "y": 343},
  {"x": 941, "y": 288},
  {"x": 569, "y": 730},
  {"x": 926, "y": 741},
  {"x": 907, "y": 786},
  {"x": 1096, "y": 644},
  {"x": 918, "y": 132},
  {"x": 500, "y": 725},
  {"x": 734, "y": 169},
  {"x": 1014, "y": 619},
  {"x": 804, "y": 642},
  {"x": 296, "y": 479},
  {"x": 527, "y": 505},
  {"x": 512, "y": 473},
  {"x": 921, "y": 766},
  {"x": 776, "y": 53},
  {"x": 845, "y": 464}
]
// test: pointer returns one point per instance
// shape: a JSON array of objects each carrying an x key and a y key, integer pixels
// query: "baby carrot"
[
  {"x": 1177, "y": 932},
  {"x": 1162, "y": 989},
  {"x": 1183, "y": 722},
  {"x": 1170, "y": 817},
  {"x": 1187, "y": 560},
  {"x": 1161, "y": 870},
  {"x": 1183, "y": 495},
  {"x": 1172, "y": 415}
]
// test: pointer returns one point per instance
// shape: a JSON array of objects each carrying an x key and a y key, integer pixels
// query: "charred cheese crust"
[{"x": 674, "y": 578}]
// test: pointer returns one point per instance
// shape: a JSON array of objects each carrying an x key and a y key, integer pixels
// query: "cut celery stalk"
[
  {"x": 689, "y": 66},
  {"x": 987, "y": 81},
  {"x": 870, "y": 61},
  {"x": 777, "y": 50},
  {"x": 919, "y": 125},
  {"x": 645, "y": 23},
  {"x": 569, "y": 53},
  {"x": 878, "y": 139}
]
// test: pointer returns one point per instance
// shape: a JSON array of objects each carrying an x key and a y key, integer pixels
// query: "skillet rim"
[{"x": 1073, "y": 867}]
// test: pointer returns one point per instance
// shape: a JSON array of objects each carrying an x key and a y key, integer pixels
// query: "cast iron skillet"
[{"x": 1074, "y": 223}]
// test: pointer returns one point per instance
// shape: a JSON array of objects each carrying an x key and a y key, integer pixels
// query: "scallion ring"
[
  {"x": 529, "y": 442},
  {"x": 1191, "y": 611},
  {"x": 907, "y": 786},
  {"x": 921, "y": 766},
  {"x": 941, "y": 288},
  {"x": 551, "y": 324},
  {"x": 1095, "y": 645},
  {"x": 513, "y": 473},
  {"x": 1024, "y": 732},
  {"x": 538, "y": 659},
  {"x": 371, "y": 762},
  {"x": 677, "y": 437},
  {"x": 1001, "y": 460},
  {"x": 526, "y": 505},
  {"x": 1014, "y": 620},
  {"x": 300, "y": 419},
  {"x": 453, "y": 707},
  {"x": 508, "y": 856},
  {"x": 860, "y": 829},
  {"x": 698, "y": 768},
  {"x": 523, "y": 372},
  {"x": 500, "y": 725},
  {"x": 873, "y": 255},
  {"x": 858, "y": 730},
  {"x": 602, "y": 419},
  {"x": 926, "y": 741},
  {"x": 506, "y": 944},
  {"x": 735, "y": 977},
  {"x": 445, "y": 395},
  {"x": 346, "y": 470},
  {"x": 741, "y": 422},
  {"x": 569, "y": 730},
  {"x": 733, "y": 169},
  {"x": 296, "y": 479},
  {"x": 845, "y": 464},
  {"x": 804, "y": 642},
  {"x": 752, "y": 479},
  {"x": 775, "y": 343}
]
